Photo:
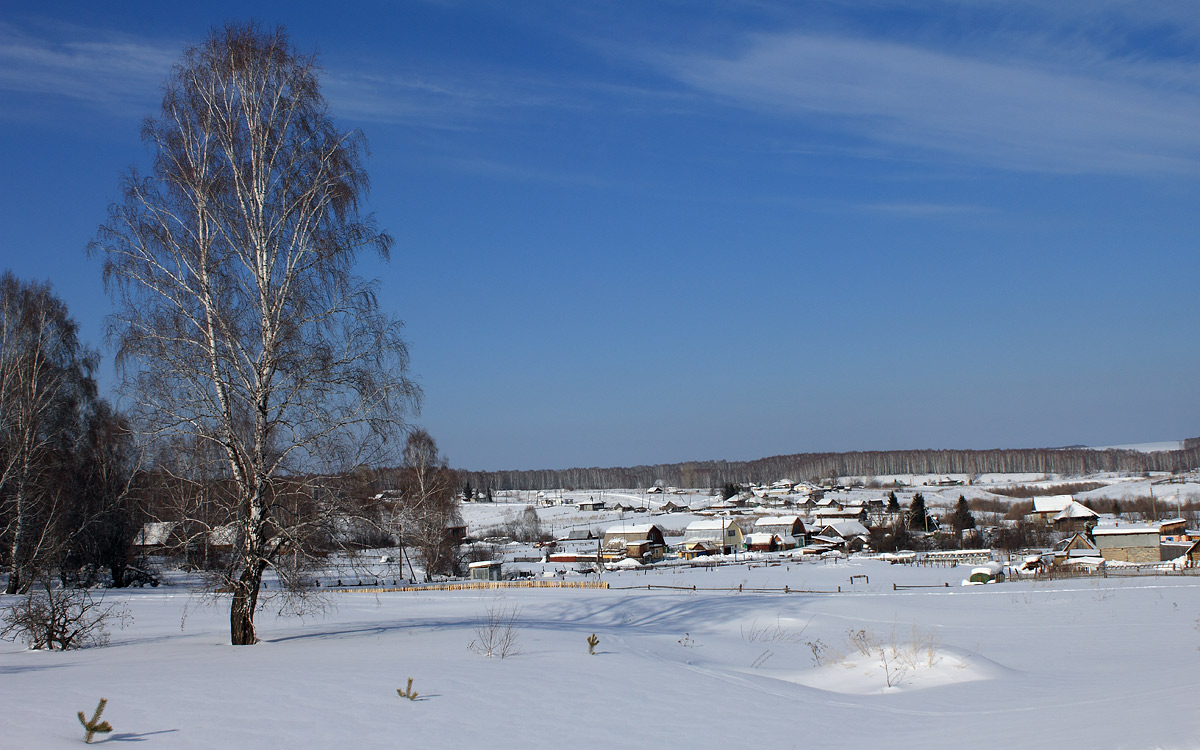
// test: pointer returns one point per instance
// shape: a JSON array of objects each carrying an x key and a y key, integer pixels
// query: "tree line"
[{"x": 817, "y": 466}]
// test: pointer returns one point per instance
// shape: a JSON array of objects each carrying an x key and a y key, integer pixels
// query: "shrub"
[
  {"x": 61, "y": 619},
  {"x": 497, "y": 632}
]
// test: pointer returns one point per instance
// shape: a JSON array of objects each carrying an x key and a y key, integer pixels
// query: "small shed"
[
  {"x": 485, "y": 570},
  {"x": 592, "y": 505},
  {"x": 763, "y": 542},
  {"x": 991, "y": 573},
  {"x": 1192, "y": 556}
]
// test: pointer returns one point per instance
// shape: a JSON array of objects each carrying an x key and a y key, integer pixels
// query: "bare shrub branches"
[
  {"x": 498, "y": 632},
  {"x": 59, "y": 619}
]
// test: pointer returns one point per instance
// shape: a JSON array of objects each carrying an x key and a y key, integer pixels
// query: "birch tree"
[
  {"x": 429, "y": 500},
  {"x": 46, "y": 384},
  {"x": 240, "y": 325}
]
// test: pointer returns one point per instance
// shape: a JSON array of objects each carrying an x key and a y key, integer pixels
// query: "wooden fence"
[{"x": 478, "y": 585}]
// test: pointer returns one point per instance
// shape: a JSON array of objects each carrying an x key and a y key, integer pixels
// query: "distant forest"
[{"x": 816, "y": 466}]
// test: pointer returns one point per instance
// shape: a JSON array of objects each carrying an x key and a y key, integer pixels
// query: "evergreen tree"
[
  {"x": 893, "y": 505},
  {"x": 962, "y": 519},
  {"x": 918, "y": 518}
]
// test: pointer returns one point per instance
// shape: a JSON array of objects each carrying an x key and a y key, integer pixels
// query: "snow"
[
  {"x": 979, "y": 666},
  {"x": 1159, "y": 447}
]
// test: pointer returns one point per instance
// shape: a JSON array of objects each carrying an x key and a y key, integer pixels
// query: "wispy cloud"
[
  {"x": 425, "y": 99},
  {"x": 112, "y": 70},
  {"x": 1022, "y": 113},
  {"x": 927, "y": 210}
]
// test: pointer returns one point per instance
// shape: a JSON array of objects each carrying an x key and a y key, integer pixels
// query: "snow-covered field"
[{"x": 1087, "y": 663}]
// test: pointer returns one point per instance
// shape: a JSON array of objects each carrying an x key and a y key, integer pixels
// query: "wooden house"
[
  {"x": 1074, "y": 518},
  {"x": 1137, "y": 543},
  {"x": 1047, "y": 507},
  {"x": 1076, "y": 549},
  {"x": 156, "y": 537},
  {"x": 712, "y": 536},
  {"x": 788, "y": 531},
  {"x": 643, "y": 542}
]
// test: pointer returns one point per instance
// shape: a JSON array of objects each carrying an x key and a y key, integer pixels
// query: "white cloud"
[
  {"x": 1025, "y": 114},
  {"x": 113, "y": 70}
]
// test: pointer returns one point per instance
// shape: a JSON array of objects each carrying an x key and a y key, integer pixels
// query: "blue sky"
[{"x": 648, "y": 232}]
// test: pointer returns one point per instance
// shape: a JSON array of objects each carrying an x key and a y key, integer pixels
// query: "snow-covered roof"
[
  {"x": 760, "y": 538},
  {"x": 154, "y": 534},
  {"x": 1052, "y": 503},
  {"x": 223, "y": 535},
  {"x": 776, "y": 521},
  {"x": 847, "y": 529},
  {"x": 818, "y": 541},
  {"x": 710, "y": 524},
  {"x": 837, "y": 513},
  {"x": 631, "y": 529},
  {"x": 1128, "y": 529},
  {"x": 1075, "y": 510}
]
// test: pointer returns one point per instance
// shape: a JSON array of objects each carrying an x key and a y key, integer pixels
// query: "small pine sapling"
[
  {"x": 95, "y": 725},
  {"x": 407, "y": 692},
  {"x": 592, "y": 642}
]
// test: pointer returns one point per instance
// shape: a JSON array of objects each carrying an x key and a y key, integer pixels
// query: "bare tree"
[
  {"x": 45, "y": 385},
  {"x": 429, "y": 504},
  {"x": 97, "y": 527},
  {"x": 240, "y": 325}
]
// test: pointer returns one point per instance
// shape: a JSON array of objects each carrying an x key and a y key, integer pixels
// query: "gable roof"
[
  {"x": 637, "y": 530},
  {"x": 1052, "y": 503},
  {"x": 777, "y": 521},
  {"x": 1076, "y": 510},
  {"x": 846, "y": 529}
]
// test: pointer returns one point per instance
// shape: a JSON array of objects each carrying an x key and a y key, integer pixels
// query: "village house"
[
  {"x": 1074, "y": 518},
  {"x": 1076, "y": 549},
  {"x": 831, "y": 514},
  {"x": 1046, "y": 508},
  {"x": 787, "y": 531},
  {"x": 155, "y": 537},
  {"x": 711, "y": 537},
  {"x": 642, "y": 542},
  {"x": 1136, "y": 543},
  {"x": 846, "y": 535}
]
